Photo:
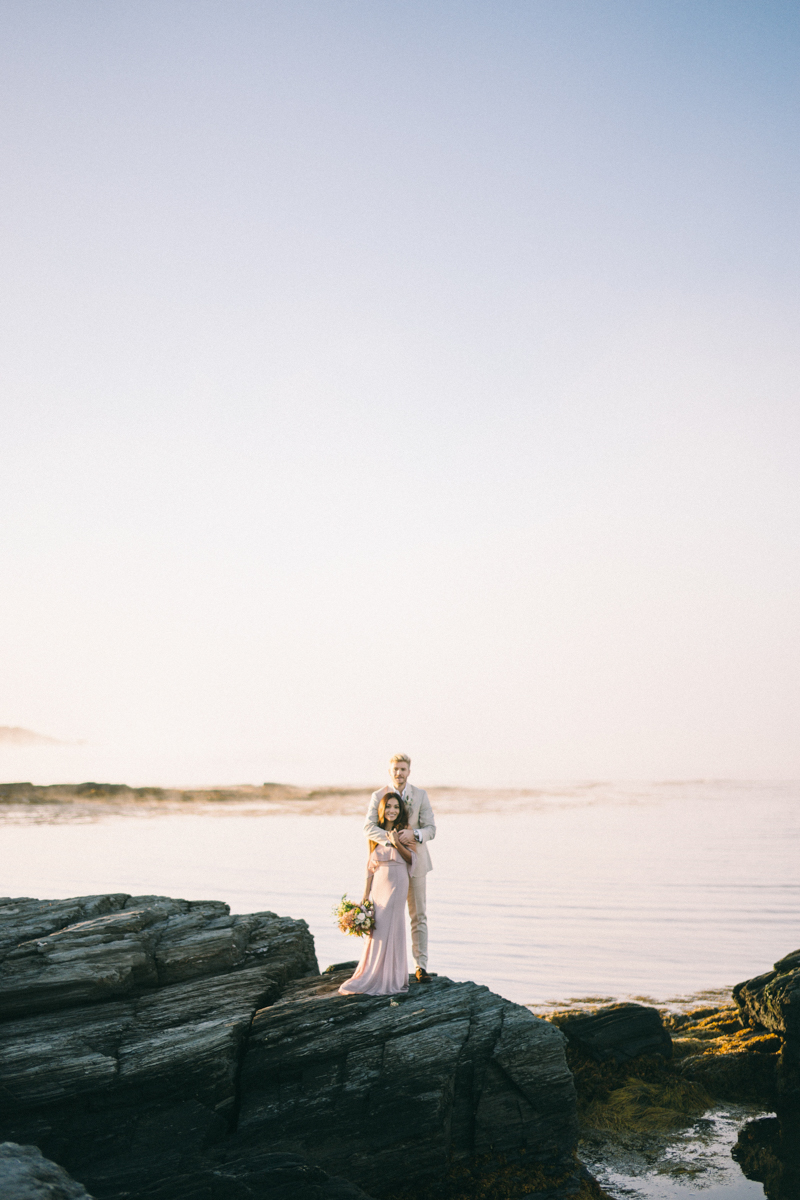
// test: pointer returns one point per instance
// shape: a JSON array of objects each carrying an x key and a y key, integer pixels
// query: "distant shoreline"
[
  {"x": 65, "y": 792},
  {"x": 68, "y": 802},
  {"x": 55, "y": 793},
  {"x": 26, "y": 802},
  {"x": 60, "y": 801}
]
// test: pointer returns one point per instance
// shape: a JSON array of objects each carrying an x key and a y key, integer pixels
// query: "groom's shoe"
[{"x": 422, "y": 975}]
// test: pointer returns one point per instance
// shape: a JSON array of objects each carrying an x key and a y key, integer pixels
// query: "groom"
[{"x": 420, "y": 821}]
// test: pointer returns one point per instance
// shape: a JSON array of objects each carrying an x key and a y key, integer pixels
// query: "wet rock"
[
  {"x": 769, "y": 1152},
  {"x": 742, "y": 1075},
  {"x": 25, "y": 1174},
  {"x": 617, "y": 1032},
  {"x": 756, "y": 1148},
  {"x": 772, "y": 1001},
  {"x": 732, "y": 1061}
]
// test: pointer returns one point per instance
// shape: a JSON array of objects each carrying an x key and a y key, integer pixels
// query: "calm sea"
[
  {"x": 659, "y": 890},
  {"x": 598, "y": 891}
]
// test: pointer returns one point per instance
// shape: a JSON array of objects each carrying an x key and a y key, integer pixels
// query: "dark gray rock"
[
  {"x": 96, "y": 948},
  {"x": 25, "y": 1174},
  {"x": 279, "y": 1177},
  {"x": 768, "y": 1150},
  {"x": 24, "y": 918},
  {"x": 445, "y": 1073},
  {"x": 773, "y": 999},
  {"x": 125, "y": 1023},
  {"x": 617, "y": 1032},
  {"x": 162, "y": 1049}
]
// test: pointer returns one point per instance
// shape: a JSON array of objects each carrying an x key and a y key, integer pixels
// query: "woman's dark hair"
[{"x": 402, "y": 816}]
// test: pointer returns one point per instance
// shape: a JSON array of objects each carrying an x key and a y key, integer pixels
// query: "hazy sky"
[{"x": 414, "y": 376}]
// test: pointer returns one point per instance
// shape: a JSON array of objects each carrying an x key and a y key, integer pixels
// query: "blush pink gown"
[{"x": 383, "y": 969}]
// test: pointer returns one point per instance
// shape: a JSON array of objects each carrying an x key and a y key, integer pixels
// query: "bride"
[{"x": 383, "y": 969}]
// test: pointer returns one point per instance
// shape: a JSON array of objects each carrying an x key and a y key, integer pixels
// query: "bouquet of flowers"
[{"x": 357, "y": 919}]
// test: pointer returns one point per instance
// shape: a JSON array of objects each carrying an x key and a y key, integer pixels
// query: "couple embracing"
[{"x": 399, "y": 823}]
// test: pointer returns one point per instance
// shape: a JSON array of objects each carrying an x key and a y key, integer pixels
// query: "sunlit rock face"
[
  {"x": 769, "y": 1150},
  {"x": 161, "y": 1049},
  {"x": 773, "y": 1002}
]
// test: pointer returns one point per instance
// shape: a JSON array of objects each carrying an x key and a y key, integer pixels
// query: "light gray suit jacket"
[{"x": 420, "y": 816}]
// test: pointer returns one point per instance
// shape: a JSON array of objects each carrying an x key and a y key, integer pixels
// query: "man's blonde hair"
[{"x": 399, "y": 758}]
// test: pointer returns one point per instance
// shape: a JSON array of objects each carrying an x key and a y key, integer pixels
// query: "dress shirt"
[{"x": 415, "y": 832}]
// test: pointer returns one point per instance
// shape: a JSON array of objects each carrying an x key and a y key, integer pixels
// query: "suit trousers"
[{"x": 419, "y": 919}]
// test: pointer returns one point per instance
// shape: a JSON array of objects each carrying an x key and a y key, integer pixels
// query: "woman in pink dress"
[{"x": 383, "y": 969}]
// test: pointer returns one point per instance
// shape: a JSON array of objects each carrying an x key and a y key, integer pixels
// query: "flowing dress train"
[{"x": 383, "y": 969}]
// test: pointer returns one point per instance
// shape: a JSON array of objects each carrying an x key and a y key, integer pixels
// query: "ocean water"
[
  {"x": 593, "y": 891},
  {"x": 697, "y": 1162},
  {"x": 664, "y": 892}
]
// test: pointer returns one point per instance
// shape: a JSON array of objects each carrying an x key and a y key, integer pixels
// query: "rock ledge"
[{"x": 162, "y": 1049}]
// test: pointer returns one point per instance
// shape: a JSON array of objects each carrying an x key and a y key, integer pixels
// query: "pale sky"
[{"x": 391, "y": 376}]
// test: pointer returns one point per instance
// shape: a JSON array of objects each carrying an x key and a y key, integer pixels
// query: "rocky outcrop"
[
  {"x": 769, "y": 1150},
  {"x": 616, "y": 1032},
  {"x": 731, "y": 1061},
  {"x": 161, "y": 1049},
  {"x": 108, "y": 947},
  {"x": 772, "y": 1001},
  {"x": 124, "y": 1026},
  {"x": 25, "y": 1174},
  {"x": 747, "y": 1075},
  {"x": 441, "y": 1076}
]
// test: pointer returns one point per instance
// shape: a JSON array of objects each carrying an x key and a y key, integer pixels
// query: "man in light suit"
[{"x": 421, "y": 822}]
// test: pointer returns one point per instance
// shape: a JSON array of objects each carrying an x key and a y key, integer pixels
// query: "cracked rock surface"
[
  {"x": 162, "y": 1049},
  {"x": 448, "y": 1072},
  {"x": 123, "y": 1023}
]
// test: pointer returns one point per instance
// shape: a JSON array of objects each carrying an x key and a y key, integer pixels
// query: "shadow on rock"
[{"x": 160, "y": 1049}]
